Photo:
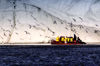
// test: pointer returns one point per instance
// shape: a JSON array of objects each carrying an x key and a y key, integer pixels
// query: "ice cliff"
[{"x": 42, "y": 20}]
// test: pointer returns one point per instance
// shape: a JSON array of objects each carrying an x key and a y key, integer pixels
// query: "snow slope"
[{"x": 42, "y": 20}]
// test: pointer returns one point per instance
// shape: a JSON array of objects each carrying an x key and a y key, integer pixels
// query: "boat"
[{"x": 62, "y": 40}]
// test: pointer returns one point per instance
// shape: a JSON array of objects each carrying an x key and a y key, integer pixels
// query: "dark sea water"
[{"x": 81, "y": 55}]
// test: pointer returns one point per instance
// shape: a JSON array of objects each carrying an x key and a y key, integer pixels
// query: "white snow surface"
[{"x": 43, "y": 20}]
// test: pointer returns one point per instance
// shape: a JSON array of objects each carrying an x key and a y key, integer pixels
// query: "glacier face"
[
  {"x": 42, "y": 20},
  {"x": 86, "y": 10}
]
